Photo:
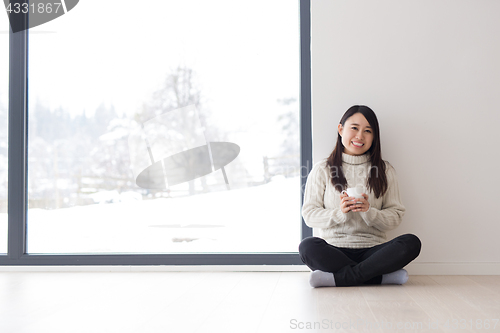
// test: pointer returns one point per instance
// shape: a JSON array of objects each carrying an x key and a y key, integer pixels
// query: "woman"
[{"x": 352, "y": 248}]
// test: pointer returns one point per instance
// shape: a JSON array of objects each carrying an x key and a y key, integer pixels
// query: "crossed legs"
[{"x": 351, "y": 267}]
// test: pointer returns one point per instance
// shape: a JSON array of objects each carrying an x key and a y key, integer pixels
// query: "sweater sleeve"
[
  {"x": 391, "y": 213},
  {"x": 313, "y": 210}
]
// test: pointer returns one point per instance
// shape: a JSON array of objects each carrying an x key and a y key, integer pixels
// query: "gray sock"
[
  {"x": 397, "y": 277},
  {"x": 321, "y": 279}
]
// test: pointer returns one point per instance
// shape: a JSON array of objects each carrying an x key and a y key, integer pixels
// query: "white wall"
[{"x": 430, "y": 69}]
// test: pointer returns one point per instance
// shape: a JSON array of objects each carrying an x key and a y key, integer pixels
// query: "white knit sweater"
[{"x": 321, "y": 208}]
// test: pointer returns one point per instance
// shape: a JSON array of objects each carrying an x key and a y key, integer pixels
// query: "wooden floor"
[{"x": 182, "y": 302}]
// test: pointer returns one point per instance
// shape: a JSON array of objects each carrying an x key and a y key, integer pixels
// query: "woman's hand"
[
  {"x": 363, "y": 206},
  {"x": 345, "y": 203},
  {"x": 348, "y": 204}
]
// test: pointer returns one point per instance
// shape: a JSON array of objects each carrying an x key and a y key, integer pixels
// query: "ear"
[{"x": 340, "y": 129}]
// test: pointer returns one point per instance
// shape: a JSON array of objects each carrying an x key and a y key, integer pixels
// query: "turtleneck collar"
[{"x": 353, "y": 159}]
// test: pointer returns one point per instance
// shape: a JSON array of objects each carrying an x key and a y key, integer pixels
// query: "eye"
[
  {"x": 354, "y": 128},
  {"x": 368, "y": 131}
]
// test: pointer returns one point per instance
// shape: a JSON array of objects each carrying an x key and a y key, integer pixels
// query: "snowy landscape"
[{"x": 263, "y": 218}]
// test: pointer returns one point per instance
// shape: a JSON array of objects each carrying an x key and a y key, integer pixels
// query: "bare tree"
[{"x": 179, "y": 89}]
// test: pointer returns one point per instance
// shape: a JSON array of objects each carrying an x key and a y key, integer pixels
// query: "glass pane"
[
  {"x": 171, "y": 132},
  {"x": 4, "y": 117}
]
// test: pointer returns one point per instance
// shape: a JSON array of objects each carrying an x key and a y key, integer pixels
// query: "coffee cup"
[{"x": 355, "y": 192}]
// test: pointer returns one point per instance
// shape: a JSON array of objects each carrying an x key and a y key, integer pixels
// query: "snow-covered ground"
[{"x": 263, "y": 218}]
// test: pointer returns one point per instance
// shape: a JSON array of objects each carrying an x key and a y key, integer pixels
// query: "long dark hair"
[{"x": 377, "y": 180}]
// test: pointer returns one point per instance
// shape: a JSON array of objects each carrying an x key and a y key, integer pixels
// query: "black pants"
[{"x": 352, "y": 267}]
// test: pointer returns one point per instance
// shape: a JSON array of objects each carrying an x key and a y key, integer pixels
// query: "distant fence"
[
  {"x": 286, "y": 165},
  {"x": 85, "y": 190}
]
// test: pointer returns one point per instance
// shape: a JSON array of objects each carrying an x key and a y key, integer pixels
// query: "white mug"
[{"x": 355, "y": 192}]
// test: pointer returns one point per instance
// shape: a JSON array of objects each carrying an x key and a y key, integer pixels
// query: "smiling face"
[{"x": 357, "y": 135}]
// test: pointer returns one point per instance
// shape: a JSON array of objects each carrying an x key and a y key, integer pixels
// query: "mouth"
[{"x": 357, "y": 144}]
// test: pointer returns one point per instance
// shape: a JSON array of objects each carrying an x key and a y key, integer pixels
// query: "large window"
[
  {"x": 174, "y": 129},
  {"x": 179, "y": 134},
  {"x": 4, "y": 91}
]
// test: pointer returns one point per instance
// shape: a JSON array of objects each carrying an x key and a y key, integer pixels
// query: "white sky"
[
  {"x": 246, "y": 55},
  {"x": 4, "y": 59},
  {"x": 120, "y": 53}
]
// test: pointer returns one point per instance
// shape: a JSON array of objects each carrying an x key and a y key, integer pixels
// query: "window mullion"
[{"x": 18, "y": 97}]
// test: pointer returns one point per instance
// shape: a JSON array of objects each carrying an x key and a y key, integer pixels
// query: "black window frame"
[{"x": 17, "y": 172}]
